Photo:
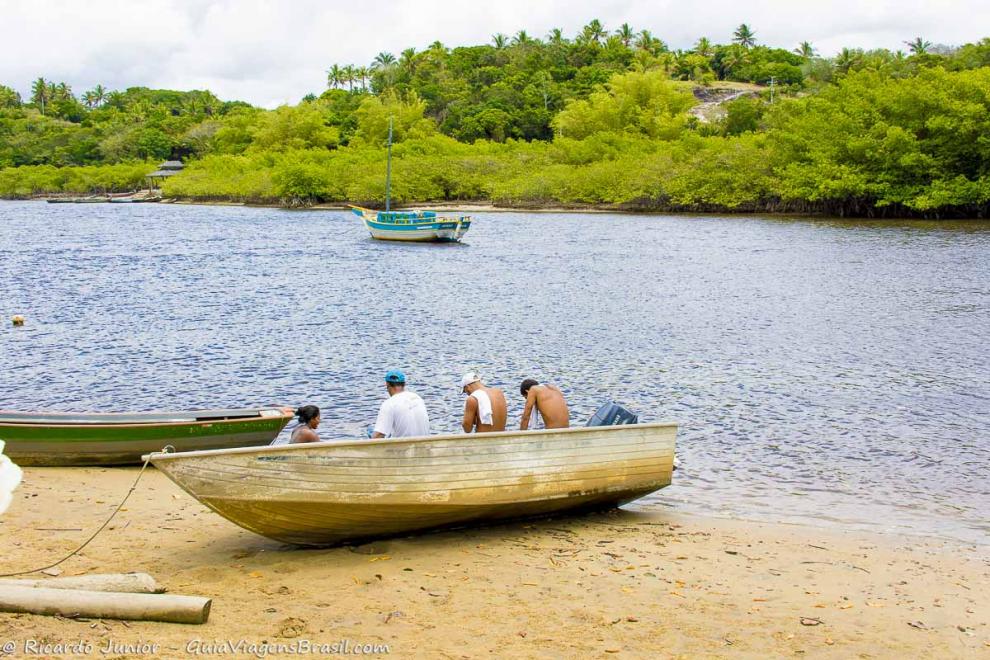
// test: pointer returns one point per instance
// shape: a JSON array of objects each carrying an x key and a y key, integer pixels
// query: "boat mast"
[{"x": 388, "y": 170}]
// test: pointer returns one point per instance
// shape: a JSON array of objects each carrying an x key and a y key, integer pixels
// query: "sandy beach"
[{"x": 614, "y": 584}]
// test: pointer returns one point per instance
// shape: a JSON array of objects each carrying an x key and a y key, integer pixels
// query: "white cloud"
[{"x": 270, "y": 52}]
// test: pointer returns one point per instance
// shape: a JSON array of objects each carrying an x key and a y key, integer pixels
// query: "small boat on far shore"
[
  {"x": 76, "y": 200},
  {"x": 133, "y": 200},
  {"x": 63, "y": 439},
  {"x": 324, "y": 493},
  {"x": 110, "y": 198}
]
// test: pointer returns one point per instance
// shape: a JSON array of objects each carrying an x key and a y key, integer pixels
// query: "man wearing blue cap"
[{"x": 403, "y": 414}]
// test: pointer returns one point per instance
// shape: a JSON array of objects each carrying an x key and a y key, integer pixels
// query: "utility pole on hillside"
[{"x": 772, "y": 81}]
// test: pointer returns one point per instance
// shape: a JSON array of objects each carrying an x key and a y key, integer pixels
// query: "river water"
[{"x": 822, "y": 371}]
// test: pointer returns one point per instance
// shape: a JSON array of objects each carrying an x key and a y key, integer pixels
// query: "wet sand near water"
[{"x": 612, "y": 584}]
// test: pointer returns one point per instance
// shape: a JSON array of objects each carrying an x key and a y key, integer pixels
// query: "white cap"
[{"x": 469, "y": 377}]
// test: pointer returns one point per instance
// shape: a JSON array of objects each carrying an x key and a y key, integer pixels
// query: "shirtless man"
[
  {"x": 484, "y": 409},
  {"x": 548, "y": 401}
]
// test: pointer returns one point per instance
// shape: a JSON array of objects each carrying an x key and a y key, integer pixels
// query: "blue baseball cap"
[{"x": 395, "y": 377}]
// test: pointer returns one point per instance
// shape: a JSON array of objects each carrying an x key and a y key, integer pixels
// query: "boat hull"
[
  {"x": 331, "y": 492},
  {"x": 76, "y": 440},
  {"x": 425, "y": 235}
]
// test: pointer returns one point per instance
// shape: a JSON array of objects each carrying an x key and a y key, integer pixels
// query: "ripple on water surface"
[{"x": 822, "y": 371}]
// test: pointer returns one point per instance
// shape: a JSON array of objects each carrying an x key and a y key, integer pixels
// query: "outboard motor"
[{"x": 612, "y": 414}]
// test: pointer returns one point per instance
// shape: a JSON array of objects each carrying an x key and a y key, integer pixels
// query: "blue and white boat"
[{"x": 421, "y": 226}]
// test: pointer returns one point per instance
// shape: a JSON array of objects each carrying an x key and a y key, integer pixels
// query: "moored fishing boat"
[
  {"x": 121, "y": 438},
  {"x": 77, "y": 200},
  {"x": 421, "y": 226},
  {"x": 418, "y": 226},
  {"x": 329, "y": 492}
]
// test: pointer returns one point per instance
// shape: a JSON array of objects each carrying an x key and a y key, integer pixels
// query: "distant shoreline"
[
  {"x": 449, "y": 207},
  {"x": 487, "y": 207}
]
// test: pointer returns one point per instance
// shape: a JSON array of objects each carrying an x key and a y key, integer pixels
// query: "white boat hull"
[
  {"x": 330, "y": 492},
  {"x": 417, "y": 235}
]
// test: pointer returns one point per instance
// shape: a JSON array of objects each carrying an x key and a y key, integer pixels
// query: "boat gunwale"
[
  {"x": 367, "y": 442},
  {"x": 287, "y": 414}
]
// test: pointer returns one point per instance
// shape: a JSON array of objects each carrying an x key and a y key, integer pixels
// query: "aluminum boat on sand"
[{"x": 329, "y": 492}]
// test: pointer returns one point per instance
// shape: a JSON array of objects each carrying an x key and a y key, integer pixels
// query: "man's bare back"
[
  {"x": 472, "y": 420},
  {"x": 550, "y": 403}
]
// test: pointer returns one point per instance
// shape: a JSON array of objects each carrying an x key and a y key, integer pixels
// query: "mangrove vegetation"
[{"x": 607, "y": 118}]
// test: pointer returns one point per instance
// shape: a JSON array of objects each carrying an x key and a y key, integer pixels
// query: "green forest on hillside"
[{"x": 611, "y": 118}]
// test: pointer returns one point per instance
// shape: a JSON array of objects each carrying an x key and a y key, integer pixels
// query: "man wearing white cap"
[{"x": 484, "y": 409}]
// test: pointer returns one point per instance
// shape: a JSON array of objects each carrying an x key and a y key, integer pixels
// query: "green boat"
[{"x": 62, "y": 439}]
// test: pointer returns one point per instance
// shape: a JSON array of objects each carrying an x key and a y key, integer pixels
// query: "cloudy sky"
[{"x": 270, "y": 52}]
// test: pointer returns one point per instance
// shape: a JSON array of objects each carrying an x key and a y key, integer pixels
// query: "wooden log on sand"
[
  {"x": 72, "y": 603},
  {"x": 133, "y": 583}
]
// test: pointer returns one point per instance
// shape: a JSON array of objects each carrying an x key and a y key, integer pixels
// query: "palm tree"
[
  {"x": 626, "y": 34},
  {"x": 40, "y": 94},
  {"x": 348, "y": 77},
  {"x": 643, "y": 60},
  {"x": 383, "y": 60},
  {"x": 744, "y": 36},
  {"x": 362, "y": 74},
  {"x": 555, "y": 36},
  {"x": 438, "y": 47},
  {"x": 385, "y": 64},
  {"x": 95, "y": 97},
  {"x": 667, "y": 60},
  {"x": 594, "y": 31},
  {"x": 9, "y": 98},
  {"x": 613, "y": 42},
  {"x": 408, "y": 60},
  {"x": 918, "y": 46},
  {"x": 733, "y": 58},
  {"x": 704, "y": 47},
  {"x": 61, "y": 92},
  {"x": 847, "y": 59},
  {"x": 544, "y": 79},
  {"x": 499, "y": 40},
  {"x": 116, "y": 99},
  {"x": 335, "y": 76},
  {"x": 521, "y": 38},
  {"x": 805, "y": 50},
  {"x": 646, "y": 41}
]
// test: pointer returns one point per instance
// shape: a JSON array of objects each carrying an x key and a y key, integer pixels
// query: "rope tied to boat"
[{"x": 97, "y": 532}]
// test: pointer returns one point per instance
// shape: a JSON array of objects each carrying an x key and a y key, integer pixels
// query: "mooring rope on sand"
[{"x": 95, "y": 534}]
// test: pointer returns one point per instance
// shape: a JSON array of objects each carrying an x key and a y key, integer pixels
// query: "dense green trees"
[
  {"x": 642, "y": 103},
  {"x": 111, "y": 127},
  {"x": 874, "y": 141},
  {"x": 610, "y": 116}
]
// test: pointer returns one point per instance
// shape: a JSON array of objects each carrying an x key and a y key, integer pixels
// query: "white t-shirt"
[{"x": 403, "y": 416}]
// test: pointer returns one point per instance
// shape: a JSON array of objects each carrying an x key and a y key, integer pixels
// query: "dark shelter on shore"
[{"x": 165, "y": 170}]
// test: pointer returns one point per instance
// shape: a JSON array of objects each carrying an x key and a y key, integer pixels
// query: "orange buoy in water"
[{"x": 18, "y": 320}]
